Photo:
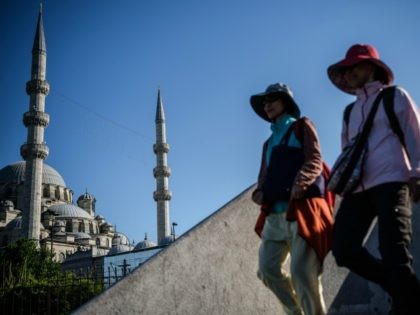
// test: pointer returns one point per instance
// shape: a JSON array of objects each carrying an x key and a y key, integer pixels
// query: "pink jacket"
[{"x": 386, "y": 160}]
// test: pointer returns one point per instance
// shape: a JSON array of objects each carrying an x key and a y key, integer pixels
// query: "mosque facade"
[{"x": 35, "y": 202}]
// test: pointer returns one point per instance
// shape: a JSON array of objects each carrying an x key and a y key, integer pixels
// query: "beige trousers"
[{"x": 301, "y": 291}]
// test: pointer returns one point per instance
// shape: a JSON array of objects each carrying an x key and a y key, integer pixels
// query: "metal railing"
[{"x": 59, "y": 295}]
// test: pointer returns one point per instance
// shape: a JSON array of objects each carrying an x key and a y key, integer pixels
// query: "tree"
[
  {"x": 32, "y": 283},
  {"x": 22, "y": 263}
]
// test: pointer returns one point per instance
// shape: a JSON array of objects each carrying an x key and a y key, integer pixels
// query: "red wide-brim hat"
[{"x": 356, "y": 54}]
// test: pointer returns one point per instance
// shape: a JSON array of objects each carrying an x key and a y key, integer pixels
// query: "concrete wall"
[{"x": 211, "y": 269}]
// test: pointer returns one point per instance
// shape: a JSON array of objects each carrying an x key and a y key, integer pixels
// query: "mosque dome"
[
  {"x": 108, "y": 225},
  {"x": 120, "y": 239},
  {"x": 100, "y": 219},
  {"x": 146, "y": 243},
  {"x": 66, "y": 210},
  {"x": 117, "y": 249},
  {"x": 120, "y": 244},
  {"x": 86, "y": 196},
  {"x": 15, "y": 173}
]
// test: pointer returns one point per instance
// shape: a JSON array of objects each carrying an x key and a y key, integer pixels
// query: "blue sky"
[{"x": 106, "y": 60}]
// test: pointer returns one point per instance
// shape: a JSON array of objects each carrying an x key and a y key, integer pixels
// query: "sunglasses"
[{"x": 270, "y": 100}]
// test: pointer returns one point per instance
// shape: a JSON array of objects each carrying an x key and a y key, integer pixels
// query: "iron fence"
[{"x": 59, "y": 295}]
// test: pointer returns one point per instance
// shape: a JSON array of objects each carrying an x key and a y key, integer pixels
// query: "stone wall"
[{"x": 211, "y": 269}]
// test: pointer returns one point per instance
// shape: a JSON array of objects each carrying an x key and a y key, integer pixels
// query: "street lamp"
[
  {"x": 50, "y": 218},
  {"x": 174, "y": 224}
]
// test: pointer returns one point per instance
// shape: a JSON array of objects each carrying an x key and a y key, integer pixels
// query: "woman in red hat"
[
  {"x": 298, "y": 220},
  {"x": 391, "y": 173}
]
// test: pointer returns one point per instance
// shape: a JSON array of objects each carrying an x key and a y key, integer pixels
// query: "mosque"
[{"x": 35, "y": 202}]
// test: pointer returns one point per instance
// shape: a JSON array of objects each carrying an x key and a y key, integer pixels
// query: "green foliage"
[
  {"x": 32, "y": 283},
  {"x": 22, "y": 263},
  {"x": 59, "y": 296}
]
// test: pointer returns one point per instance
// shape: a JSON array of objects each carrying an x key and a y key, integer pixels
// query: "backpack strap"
[
  {"x": 388, "y": 101},
  {"x": 329, "y": 196},
  {"x": 392, "y": 117},
  {"x": 298, "y": 129}
]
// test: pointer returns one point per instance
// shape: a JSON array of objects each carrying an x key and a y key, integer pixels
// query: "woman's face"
[
  {"x": 274, "y": 107},
  {"x": 360, "y": 74}
]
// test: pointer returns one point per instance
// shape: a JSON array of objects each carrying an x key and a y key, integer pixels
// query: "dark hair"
[{"x": 288, "y": 102}]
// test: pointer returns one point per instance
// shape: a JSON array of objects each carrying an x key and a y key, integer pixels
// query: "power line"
[
  {"x": 134, "y": 157},
  {"x": 99, "y": 115}
]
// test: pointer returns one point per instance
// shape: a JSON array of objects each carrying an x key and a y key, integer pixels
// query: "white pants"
[{"x": 302, "y": 292}]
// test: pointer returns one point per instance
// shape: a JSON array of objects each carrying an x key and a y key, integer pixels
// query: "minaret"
[
  {"x": 34, "y": 151},
  {"x": 161, "y": 172}
]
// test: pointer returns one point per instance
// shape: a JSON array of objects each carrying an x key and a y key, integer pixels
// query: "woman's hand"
[{"x": 257, "y": 196}]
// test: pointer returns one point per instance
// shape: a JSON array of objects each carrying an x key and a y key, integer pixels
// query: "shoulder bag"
[{"x": 347, "y": 171}]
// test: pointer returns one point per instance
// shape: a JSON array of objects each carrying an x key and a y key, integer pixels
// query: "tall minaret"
[
  {"x": 161, "y": 172},
  {"x": 34, "y": 151}
]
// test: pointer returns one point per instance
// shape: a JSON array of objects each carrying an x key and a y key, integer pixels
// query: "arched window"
[
  {"x": 98, "y": 242},
  {"x": 82, "y": 226},
  {"x": 46, "y": 192},
  {"x": 107, "y": 243},
  {"x": 69, "y": 226},
  {"x": 91, "y": 228}
]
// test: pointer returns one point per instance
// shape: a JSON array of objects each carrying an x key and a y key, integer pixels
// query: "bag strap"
[
  {"x": 388, "y": 101},
  {"x": 329, "y": 196},
  {"x": 387, "y": 94},
  {"x": 363, "y": 135},
  {"x": 369, "y": 121},
  {"x": 392, "y": 117}
]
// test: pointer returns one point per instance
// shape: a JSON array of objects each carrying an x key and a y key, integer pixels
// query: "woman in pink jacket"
[{"x": 391, "y": 173}]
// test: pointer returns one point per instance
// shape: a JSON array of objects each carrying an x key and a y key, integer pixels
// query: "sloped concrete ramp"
[{"x": 211, "y": 269}]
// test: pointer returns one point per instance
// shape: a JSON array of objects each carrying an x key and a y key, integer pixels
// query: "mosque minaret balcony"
[
  {"x": 37, "y": 86},
  {"x": 161, "y": 171},
  {"x": 160, "y": 148},
  {"x": 162, "y": 195},
  {"x": 36, "y": 118},
  {"x": 34, "y": 150}
]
